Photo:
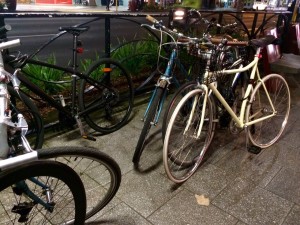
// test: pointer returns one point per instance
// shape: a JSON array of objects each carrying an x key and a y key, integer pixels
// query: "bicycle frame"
[
  {"x": 239, "y": 119},
  {"x": 164, "y": 81},
  {"x": 38, "y": 91}
]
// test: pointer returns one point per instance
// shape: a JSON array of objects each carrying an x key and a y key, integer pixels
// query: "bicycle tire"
[
  {"x": 21, "y": 103},
  {"x": 176, "y": 98},
  {"x": 116, "y": 101},
  {"x": 89, "y": 163},
  {"x": 182, "y": 91},
  {"x": 147, "y": 125},
  {"x": 183, "y": 152},
  {"x": 67, "y": 193},
  {"x": 267, "y": 132}
]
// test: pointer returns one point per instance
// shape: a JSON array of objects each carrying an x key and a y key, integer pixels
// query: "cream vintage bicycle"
[{"x": 263, "y": 113}]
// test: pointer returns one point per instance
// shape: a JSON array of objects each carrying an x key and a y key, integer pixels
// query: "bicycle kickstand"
[
  {"x": 83, "y": 133},
  {"x": 251, "y": 148}
]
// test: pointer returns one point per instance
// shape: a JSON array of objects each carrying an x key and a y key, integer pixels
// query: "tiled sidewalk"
[{"x": 242, "y": 188}]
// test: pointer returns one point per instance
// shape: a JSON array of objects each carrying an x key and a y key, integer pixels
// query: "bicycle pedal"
[
  {"x": 254, "y": 149},
  {"x": 89, "y": 137}
]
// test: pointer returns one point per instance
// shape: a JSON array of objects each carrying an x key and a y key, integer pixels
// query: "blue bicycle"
[{"x": 168, "y": 76}]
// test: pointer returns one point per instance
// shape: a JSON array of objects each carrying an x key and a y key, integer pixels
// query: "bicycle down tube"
[
  {"x": 254, "y": 74},
  {"x": 166, "y": 78}
]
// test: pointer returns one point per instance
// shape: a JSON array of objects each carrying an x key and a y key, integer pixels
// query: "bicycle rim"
[
  {"x": 179, "y": 94},
  {"x": 67, "y": 197},
  {"x": 183, "y": 151},
  {"x": 100, "y": 174},
  {"x": 267, "y": 132},
  {"x": 107, "y": 106}
]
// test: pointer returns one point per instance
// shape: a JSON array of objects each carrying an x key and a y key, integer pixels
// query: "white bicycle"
[{"x": 263, "y": 113}]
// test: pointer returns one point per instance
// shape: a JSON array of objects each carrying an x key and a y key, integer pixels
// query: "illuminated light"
[
  {"x": 179, "y": 13},
  {"x": 79, "y": 50},
  {"x": 106, "y": 70},
  {"x": 178, "y": 17}
]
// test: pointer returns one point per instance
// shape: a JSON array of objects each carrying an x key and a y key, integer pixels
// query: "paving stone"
[
  {"x": 209, "y": 180},
  {"x": 120, "y": 215},
  {"x": 145, "y": 193},
  {"x": 287, "y": 184},
  {"x": 294, "y": 216},
  {"x": 252, "y": 204},
  {"x": 175, "y": 212}
]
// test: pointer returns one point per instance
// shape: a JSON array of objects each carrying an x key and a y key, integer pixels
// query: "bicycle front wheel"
[
  {"x": 184, "y": 147},
  {"x": 149, "y": 121},
  {"x": 273, "y": 88},
  {"x": 180, "y": 93},
  {"x": 41, "y": 192},
  {"x": 100, "y": 174},
  {"x": 106, "y": 106}
]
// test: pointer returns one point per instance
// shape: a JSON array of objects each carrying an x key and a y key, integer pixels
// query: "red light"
[{"x": 79, "y": 50}]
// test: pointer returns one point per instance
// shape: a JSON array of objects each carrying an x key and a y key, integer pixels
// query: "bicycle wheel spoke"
[
  {"x": 108, "y": 102},
  {"x": 268, "y": 131},
  {"x": 99, "y": 173},
  {"x": 41, "y": 192},
  {"x": 183, "y": 150}
]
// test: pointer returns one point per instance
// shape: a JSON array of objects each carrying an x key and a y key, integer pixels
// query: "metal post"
[{"x": 107, "y": 36}]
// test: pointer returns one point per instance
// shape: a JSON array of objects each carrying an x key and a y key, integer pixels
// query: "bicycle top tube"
[{"x": 258, "y": 44}]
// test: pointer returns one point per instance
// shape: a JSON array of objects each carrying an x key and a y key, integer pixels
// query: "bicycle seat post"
[
  {"x": 74, "y": 56},
  {"x": 74, "y": 79}
]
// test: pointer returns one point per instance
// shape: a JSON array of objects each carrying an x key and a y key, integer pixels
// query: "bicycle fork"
[
  {"x": 194, "y": 105},
  {"x": 163, "y": 83}
]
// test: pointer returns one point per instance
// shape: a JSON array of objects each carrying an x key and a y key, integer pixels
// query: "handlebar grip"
[
  {"x": 151, "y": 19},
  {"x": 10, "y": 44}
]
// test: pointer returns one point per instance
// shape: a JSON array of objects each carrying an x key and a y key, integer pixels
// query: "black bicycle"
[
  {"x": 102, "y": 96},
  {"x": 61, "y": 185}
]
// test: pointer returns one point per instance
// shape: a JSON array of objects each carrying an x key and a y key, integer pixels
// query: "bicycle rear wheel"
[
  {"x": 106, "y": 106},
  {"x": 147, "y": 124},
  {"x": 183, "y": 150},
  {"x": 53, "y": 183},
  {"x": 99, "y": 173},
  {"x": 266, "y": 132},
  {"x": 20, "y": 103}
]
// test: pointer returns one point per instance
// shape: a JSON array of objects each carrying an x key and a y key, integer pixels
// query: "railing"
[{"x": 253, "y": 22}]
